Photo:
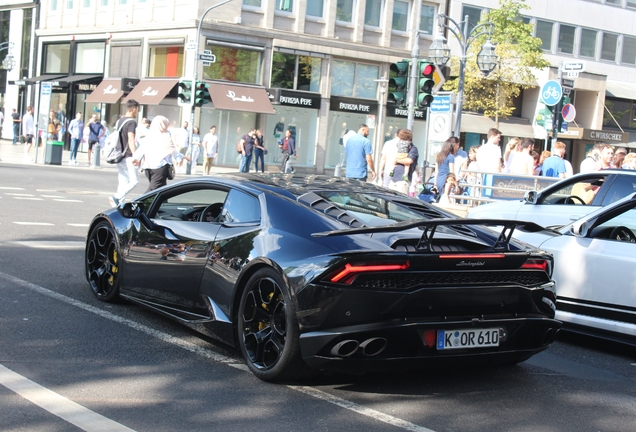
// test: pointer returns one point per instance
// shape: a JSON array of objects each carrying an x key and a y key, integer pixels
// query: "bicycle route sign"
[{"x": 551, "y": 93}]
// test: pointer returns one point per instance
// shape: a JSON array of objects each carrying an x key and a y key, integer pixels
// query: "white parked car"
[
  {"x": 595, "y": 270},
  {"x": 565, "y": 201}
]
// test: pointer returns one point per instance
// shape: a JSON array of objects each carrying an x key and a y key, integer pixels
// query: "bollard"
[{"x": 97, "y": 149}]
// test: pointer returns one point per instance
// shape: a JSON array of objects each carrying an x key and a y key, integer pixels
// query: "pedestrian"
[
  {"x": 629, "y": 163},
  {"x": 194, "y": 151},
  {"x": 389, "y": 152},
  {"x": 451, "y": 187},
  {"x": 288, "y": 148},
  {"x": 210, "y": 149},
  {"x": 591, "y": 161},
  {"x": 554, "y": 165},
  {"x": 142, "y": 131},
  {"x": 619, "y": 157},
  {"x": 1, "y": 121},
  {"x": 158, "y": 154},
  {"x": 181, "y": 140},
  {"x": 53, "y": 128},
  {"x": 28, "y": 130},
  {"x": 247, "y": 146},
  {"x": 512, "y": 150},
  {"x": 445, "y": 163},
  {"x": 461, "y": 159},
  {"x": 402, "y": 146},
  {"x": 489, "y": 154},
  {"x": 96, "y": 131},
  {"x": 523, "y": 162},
  {"x": 607, "y": 155},
  {"x": 359, "y": 155},
  {"x": 405, "y": 165},
  {"x": 15, "y": 116},
  {"x": 76, "y": 129},
  {"x": 259, "y": 151},
  {"x": 128, "y": 174}
]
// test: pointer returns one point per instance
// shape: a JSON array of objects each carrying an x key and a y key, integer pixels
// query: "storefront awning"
[
  {"x": 78, "y": 78},
  {"x": 151, "y": 91},
  {"x": 520, "y": 128},
  {"x": 108, "y": 91},
  {"x": 621, "y": 90},
  {"x": 47, "y": 77},
  {"x": 240, "y": 98}
]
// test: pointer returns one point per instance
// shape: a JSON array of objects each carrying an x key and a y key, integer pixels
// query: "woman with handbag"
[{"x": 158, "y": 154}]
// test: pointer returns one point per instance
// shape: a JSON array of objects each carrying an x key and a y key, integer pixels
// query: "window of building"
[
  {"x": 89, "y": 57},
  {"x": 57, "y": 58},
  {"x": 544, "y": 32},
  {"x": 293, "y": 72},
  {"x": 104, "y": 3},
  {"x": 69, "y": 4},
  {"x": 614, "y": 2},
  {"x": 474, "y": 16},
  {"x": 27, "y": 23},
  {"x": 253, "y": 3},
  {"x": 631, "y": 4},
  {"x": 373, "y": 13},
  {"x": 525, "y": 20},
  {"x": 608, "y": 50},
  {"x": 86, "y": 3},
  {"x": 53, "y": 5},
  {"x": 122, "y": 2},
  {"x": 427, "y": 19},
  {"x": 234, "y": 64},
  {"x": 166, "y": 62},
  {"x": 621, "y": 110},
  {"x": 125, "y": 61},
  {"x": 344, "y": 10},
  {"x": 316, "y": 8},
  {"x": 566, "y": 39},
  {"x": 628, "y": 56},
  {"x": 285, "y": 5},
  {"x": 400, "y": 15},
  {"x": 354, "y": 79},
  {"x": 588, "y": 43}
]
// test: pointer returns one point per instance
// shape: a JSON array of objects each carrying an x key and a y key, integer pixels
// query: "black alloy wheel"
[
  {"x": 268, "y": 333},
  {"x": 102, "y": 262}
]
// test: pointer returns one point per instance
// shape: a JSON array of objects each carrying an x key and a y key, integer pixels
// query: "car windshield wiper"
[{"x": 429, "y": 227}]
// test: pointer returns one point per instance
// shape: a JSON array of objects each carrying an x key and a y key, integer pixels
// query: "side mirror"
[
  {"x": 530, "y": 197},
  {"x": 580, "y": 229},
  {"x": 130, "y": 210}
]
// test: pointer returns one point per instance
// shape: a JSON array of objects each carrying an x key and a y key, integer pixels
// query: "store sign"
[
  {"x": 608, "y": 136},
  {"x": 395, "y": 111},
  {"x": 571, "y": 133},
  {"x": 292, "y": 98},
  {"x": 85, "y": 87},
  {"x": 353, "y": 105},
  {"x": 127, "y": 84}
]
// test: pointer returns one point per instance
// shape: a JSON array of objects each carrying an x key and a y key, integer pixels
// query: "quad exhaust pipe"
[{"x": 370, "y": 347}]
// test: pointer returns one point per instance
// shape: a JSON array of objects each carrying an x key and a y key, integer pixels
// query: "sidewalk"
[{"x": 14, "y": 154}]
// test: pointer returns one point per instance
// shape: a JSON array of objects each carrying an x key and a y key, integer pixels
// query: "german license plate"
[{"x": 474, "y": 338}]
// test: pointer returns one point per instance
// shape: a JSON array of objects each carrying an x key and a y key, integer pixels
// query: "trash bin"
[{"x": 53, "y": 153}]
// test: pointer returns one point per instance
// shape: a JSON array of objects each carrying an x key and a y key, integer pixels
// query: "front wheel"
[
  {"x": 103, "y": 263},
  {"x": 267, "y": 330}
]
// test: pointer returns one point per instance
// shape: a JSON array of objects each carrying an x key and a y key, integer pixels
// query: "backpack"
[{"x": 113, "y": 151}]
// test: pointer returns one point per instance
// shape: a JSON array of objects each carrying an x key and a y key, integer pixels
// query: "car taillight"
[
  {"x": 535, "y": 264},
  {"x": 473, "y": 256},
  {"x": 429, "y": 337},
  {"x": 347, "y": 274}
]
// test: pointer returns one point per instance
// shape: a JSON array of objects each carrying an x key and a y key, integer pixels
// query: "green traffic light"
[
  {"x": 400, "y": 68},
  {"x": 396, "y": 98},
  {"x": 201, "y": 94},
  {"x": 184, "y": 94}
]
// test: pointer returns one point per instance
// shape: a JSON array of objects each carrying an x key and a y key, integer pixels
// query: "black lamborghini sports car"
[{"x": 304, "y": 273}]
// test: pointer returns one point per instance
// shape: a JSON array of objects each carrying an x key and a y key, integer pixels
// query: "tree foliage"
[{"x": 519, "y": 53}]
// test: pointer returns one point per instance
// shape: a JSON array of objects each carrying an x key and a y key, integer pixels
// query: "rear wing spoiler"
[{"x": 430, "y": 225}]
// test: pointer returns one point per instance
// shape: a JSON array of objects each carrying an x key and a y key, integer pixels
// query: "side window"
[
  {"x": 620, "y": 188},
  {"x": 188, "y": 205},
  {"x": 241, "y": 207},
  {"x": 577, "y": 193}
]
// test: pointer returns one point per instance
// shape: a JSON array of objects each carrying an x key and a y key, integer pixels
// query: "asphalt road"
[{"x": 69, "y": 362}]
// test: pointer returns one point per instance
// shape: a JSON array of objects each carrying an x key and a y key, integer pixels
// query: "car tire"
[
  {"x": 267, "y": 329},
  {"x": 102, "y": 258}
]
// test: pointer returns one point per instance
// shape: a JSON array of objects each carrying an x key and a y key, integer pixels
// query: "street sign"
[
  {"x": 573, "y": 66},
  {"x": 441, "y": 104},
  {"x": 551, "y": 93},
  {"x": 570, "y": 74},
  {"x": 568, "y": 112},
  {"x": 567, "y": 91},
  {"x": 438, "y": 77},
  {"x": 567, "y": 83},
  {"x": 207, "y": 57}
]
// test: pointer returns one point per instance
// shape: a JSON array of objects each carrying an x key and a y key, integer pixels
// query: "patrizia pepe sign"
[{"x": 353, "y": 105}]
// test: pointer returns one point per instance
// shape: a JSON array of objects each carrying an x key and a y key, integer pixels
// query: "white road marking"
[
  {"x": 219, "y": 358},
  {"x": 68, "y": 200},
  {"x": 19, "y": 194},
  {"x": 59, "y": 245},
  {"x": 51, "y": 196},
  {"x": 34, "y": 223},
  {"x": 58, "y": 405},
  {"x": 27, "y": 198},
  {"x": 79, "y": 225},
  {"x": 46, "y": 190},
  {"x": 11, "y": 188}
]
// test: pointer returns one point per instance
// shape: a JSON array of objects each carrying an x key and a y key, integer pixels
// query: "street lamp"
[
  {"x": 9, "y": 62},
  {"x": 439, "y": 52}
]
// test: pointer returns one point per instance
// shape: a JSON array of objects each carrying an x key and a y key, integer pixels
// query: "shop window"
[
  {"x": 400, "y": 15},
  {"x": 373, "y": 13},
  {"x": 354, "y": 79},
  {"x": 628, "y": 56},
  {"x": 566, "y": 39},
  {"x": 125, "y": 61},
  {"x": 544, "y": 32},
  {"x": 588, "y": 43},
  {"x": 427, "y": 19},
  {"x": 166, "y": 62},
  {"x": 315, "y": 8},
  {"x": 234, "y": 64},
  {"x": 231, "y": 126},
  {"x": 618, "y": 111},
  {"x": 89, "y": 57},
  {"x": 344, "y": 10},
  {"x": 284, "y": 5},
  {"x": 303, "y": 122},
  {"x": 294, "y": 72},
  {"x": 56, "y": 58},
  {"x": 474, "y": 16},
  {"x": 608, "y": 51}
]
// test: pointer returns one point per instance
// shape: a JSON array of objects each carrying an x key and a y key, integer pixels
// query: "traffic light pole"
[
  {"x": 557, "y": 109},
  {"x": 413, "y": 81},
  {"x": 195, "y": 79}
]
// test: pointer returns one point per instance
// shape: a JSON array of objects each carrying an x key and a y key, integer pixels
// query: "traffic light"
[
  {"x": 398, "y": 83},
  {"x": 425, "y": 83},
  {"x": 201, "y": 94},
  {"x": 184, "y": 97}
]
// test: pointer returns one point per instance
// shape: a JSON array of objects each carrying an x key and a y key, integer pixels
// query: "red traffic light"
[{"x": 427, "y": 69}]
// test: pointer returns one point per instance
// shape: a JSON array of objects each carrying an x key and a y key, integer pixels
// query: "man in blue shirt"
[
  {"x": 554, "y": 165},
  {"x": 359, "y": 154}
]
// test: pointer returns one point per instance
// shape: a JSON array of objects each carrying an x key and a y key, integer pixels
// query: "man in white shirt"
[
  {"x": 590, "y": 163},
  {"x": 210, "y": 149},
  {"x": 489, "y": 155},
  {"x": 389, "y": 154},
  {"x": 28, "y": 130}
]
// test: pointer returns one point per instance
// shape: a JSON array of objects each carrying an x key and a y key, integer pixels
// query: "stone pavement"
[{"x": 14, "y": 154}]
